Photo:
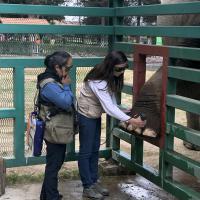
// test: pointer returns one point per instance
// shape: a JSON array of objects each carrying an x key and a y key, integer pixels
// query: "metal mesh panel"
[
  {"x": 6, "y": 137},
  {"x": 78, "y": 45},
  {"x": 30, "y": 87},
  {"x": 80, "y": 75},
  {"x": 6, "y": 88}
]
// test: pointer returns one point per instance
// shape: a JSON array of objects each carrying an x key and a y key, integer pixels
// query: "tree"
[
  {"x": 136, "y": 20},
  {"x": 42, "y": 2},
  {"x": 94, "y": 20},
  {"x": 130, "y": 20},
  {"x": 150, "y": 19},
  {"x": 36, "y": 2}
]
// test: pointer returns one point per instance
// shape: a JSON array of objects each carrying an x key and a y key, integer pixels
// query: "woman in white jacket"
[{"x": 97, "y": 96}]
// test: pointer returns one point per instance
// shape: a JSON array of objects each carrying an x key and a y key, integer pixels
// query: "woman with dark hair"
[
  {"x": 97, "y": 96},
  {"x": 55, "y": 108}
]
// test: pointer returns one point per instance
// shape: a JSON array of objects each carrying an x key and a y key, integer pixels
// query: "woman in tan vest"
[{"x": 97, "y": 96}]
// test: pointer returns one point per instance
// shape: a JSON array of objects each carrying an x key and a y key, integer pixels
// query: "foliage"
[
  {"x": 131, "y": 20},
  {"x": 35, "y": 2}
]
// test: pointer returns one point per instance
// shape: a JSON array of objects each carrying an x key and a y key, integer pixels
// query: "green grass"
[{"x": 14, "y": 178}]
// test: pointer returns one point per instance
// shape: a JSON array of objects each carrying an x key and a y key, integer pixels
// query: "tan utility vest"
[
  {"x": 88, "y": 104},
  {"x": 59, "y": 129}
]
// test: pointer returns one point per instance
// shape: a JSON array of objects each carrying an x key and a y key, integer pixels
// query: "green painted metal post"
[
  {"x": 132, "y": 148},
  {"x": 169, "y": 140},
  {"x": 110, "y": 122},
  {"x": 19, "y": 119},
  {"x": 71, "y": 146}
]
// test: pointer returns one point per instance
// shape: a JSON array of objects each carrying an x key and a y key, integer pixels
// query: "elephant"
[{"x": 149, "y": 99}]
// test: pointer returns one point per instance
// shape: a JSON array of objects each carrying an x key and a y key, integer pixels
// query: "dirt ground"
[{"x": 126, "y": 188}]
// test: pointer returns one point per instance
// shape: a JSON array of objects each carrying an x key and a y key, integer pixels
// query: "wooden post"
[{"x": 2, "y": 176}]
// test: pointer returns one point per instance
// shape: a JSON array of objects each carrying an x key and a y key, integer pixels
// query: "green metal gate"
[{"x": 16, "y": 71}]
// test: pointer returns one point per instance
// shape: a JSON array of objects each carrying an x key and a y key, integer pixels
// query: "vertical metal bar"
[
  {"x": 19, "y": 120},
  {"x": 110, "y": 123},
  {"x": 164, "y": 168},
  {"x": 169, "y": 140},
  {"x": 138, "y": 21},
  {"x": 2, "y": 176},
  {"x": 71, "y": 146},
  {"x": 138, "y": 82},
  {"x": 132, "y": 148}
]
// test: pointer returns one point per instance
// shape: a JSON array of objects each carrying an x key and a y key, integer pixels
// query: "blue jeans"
[{"x": 89, "y": 136}]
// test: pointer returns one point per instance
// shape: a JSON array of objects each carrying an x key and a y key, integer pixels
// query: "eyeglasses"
[
  {"x": 120, "y": 69},
  {"x": 68, "y": 67}
]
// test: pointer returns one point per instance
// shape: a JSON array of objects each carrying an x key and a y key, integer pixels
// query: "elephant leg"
[
  {"x": 193, "y": 121},
  {"x": 148, "y": 103},
  {"x": 190, "y": 90}
]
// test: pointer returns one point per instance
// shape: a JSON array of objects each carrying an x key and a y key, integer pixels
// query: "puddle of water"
[{"x": 137, "y": 192}]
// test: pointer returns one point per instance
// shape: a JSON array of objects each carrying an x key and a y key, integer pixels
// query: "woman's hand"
[
  {"x": 137, "y": 122},
  {"x": 66, "y": 79}
]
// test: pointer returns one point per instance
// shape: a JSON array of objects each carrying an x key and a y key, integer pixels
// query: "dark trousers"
[
  {"x": 89, "y": 136},
  {"x": 54, "y": 159}
]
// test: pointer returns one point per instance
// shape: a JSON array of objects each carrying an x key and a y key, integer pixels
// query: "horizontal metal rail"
[
  {"x": 7, "y": 113},
  {"x": 55, "y": 10},
  {"x": 167, "y": 9},
  {"x": 184, "y": 163},
  {"x": 174, "y": 51},
  {"x": 145, "y": 170},
  {"x": 184, "y": 103},
  {"x": 12, "y": 162},
  {"x": 127, "y": 137},
  {"x": 179, "y": 190},
  {"x": 128, "y": 89},
  {"x": 57, "y": 29},
  {"x": 183, "y": 133},
  {"x": 170, "y": 31},
  {"x": 38, "y": 62},
  {"x": 183, "y": 73}
]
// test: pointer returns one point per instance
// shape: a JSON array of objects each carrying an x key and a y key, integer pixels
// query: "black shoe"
[{"x": 44, "y": 198}]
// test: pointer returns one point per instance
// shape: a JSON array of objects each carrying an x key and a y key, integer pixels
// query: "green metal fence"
[
  {"x": 16, "y": 81},
  {"x": 18, "y": 75},
  {"x": 168, "y": 157}
]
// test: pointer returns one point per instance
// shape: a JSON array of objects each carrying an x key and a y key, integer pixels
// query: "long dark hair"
[{"x": 105, "y": 71}]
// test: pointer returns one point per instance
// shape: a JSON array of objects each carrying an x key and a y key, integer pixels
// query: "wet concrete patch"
[{"x": 121, "y": 188}]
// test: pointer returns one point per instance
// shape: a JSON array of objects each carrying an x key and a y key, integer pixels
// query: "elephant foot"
[
  {"x": 147, "y": 132},
  {"x": 150, "y": 133},
  {"x": 123, "y": 125},
  {"x": 191, "y": 146},
  {"x": 130, "y": 128}
]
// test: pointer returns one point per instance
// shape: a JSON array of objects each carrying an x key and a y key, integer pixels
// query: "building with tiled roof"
[{"x": 35, "y": 21}]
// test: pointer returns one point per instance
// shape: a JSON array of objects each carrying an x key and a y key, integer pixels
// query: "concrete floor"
[{"x": 121, "y": 188}]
